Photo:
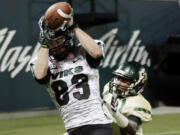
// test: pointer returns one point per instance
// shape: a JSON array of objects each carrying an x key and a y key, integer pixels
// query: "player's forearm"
[
  {"x": 88, "y": 43},
  {"x": 41, "y": 64},
  {"x": 126, "y": 124},
  {"x": 122, "y": 121}
]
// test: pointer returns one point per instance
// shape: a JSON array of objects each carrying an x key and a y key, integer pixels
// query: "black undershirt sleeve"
[
  {"x": 44, "y": 80},
  {"x": 136, "y": 119},
  {"x": 94, "y": 63},
  {"x": 130, "y": 130}
]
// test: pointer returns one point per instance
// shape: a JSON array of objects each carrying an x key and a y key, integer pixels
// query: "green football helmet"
[{"x": 133, "y": 73}]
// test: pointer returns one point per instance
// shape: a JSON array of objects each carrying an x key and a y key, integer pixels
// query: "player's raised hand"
[
  {"x": 114, "y": 102},
  {"x": 44, "y": 36}
]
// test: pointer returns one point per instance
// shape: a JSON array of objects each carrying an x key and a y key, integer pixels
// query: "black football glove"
[
  {"x": 71, "y": 24},
  {"x": 44, "y": 37},
  {"x": 114, "y": 102},
  {"x": 48, "y": 35}
]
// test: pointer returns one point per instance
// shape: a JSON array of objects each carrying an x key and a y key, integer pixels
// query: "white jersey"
[
  {"x": 74, "y": 88},
  {"x": 133, "y": 105}
]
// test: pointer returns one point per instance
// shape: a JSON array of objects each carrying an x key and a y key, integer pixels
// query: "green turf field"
[{"x": 52, "y": 125}]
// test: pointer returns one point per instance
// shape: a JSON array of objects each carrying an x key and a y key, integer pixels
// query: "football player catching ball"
[{"x": 70, "y": 72}]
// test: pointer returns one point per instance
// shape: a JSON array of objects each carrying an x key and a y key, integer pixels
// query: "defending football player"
[
  {"x": 70, "y": 72},
  {"x": 123, "y": 102}
]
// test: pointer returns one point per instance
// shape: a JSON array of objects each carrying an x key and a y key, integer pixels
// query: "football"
[{"x": 57, "y": 13}]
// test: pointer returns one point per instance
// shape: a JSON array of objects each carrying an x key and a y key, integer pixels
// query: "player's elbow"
[
  {"x": 131, "y": 128},
  {"x": 97, "y": 54},
  {"x": 42, "y": 78},
  {"x": 39, "y": 74}
]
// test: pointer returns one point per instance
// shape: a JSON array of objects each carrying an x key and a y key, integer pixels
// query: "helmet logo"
[{"x": 142, "y": 75}]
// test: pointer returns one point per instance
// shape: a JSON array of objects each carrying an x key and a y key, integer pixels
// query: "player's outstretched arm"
[
  {"x": 88, "y": 43},
  {"x": 129, "y": 124},
  {"x": 41, "y": 64}
]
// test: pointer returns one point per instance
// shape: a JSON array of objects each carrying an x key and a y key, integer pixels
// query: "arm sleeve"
[
  {"x": 133, "y": 125},
  {"x": 135, "y": 119},
  {"x": 44, "y": 80},
  {"x": 94, "y": 63}
]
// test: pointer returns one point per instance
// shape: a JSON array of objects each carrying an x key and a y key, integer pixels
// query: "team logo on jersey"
[{"x": 67, "y": 72}]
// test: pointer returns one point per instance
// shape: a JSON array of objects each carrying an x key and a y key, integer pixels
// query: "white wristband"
[{"x": 122, "y": 121}]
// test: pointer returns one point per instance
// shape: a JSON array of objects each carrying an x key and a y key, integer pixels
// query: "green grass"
[
  {"x": 53, "y": 125},
  {"x": 168, "y": 124},
  {"x": 45, "y": 125}
]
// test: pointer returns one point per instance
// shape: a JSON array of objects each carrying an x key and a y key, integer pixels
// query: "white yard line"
[{"x": 164, "y": 133}]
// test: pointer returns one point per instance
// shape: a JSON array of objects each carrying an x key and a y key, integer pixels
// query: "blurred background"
[{"x": 146, "y": 31}]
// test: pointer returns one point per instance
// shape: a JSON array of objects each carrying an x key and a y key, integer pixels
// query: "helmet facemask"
[
  {"x": 128, "y": 80},
  {"x": 121, "y": 86},
  {"x": 62, "y": 44}
]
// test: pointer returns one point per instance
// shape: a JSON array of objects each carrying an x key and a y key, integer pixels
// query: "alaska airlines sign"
[
  {"x": 15, "y": 59},
  {"x": 130, "y": 52}
]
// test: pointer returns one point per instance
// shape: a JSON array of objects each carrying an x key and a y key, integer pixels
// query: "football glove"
[
  {"x": 47, "y": 35},
  {"x": 114, "y": 102},
  {"x": 71, "y": 24},
  {"x": 44, "y": 37}
]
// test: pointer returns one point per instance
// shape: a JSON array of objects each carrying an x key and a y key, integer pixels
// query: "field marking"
[{"x": 164, "y": 133}]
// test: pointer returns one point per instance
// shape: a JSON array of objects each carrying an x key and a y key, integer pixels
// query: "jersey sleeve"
[{"x": 139, "y": 107}]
